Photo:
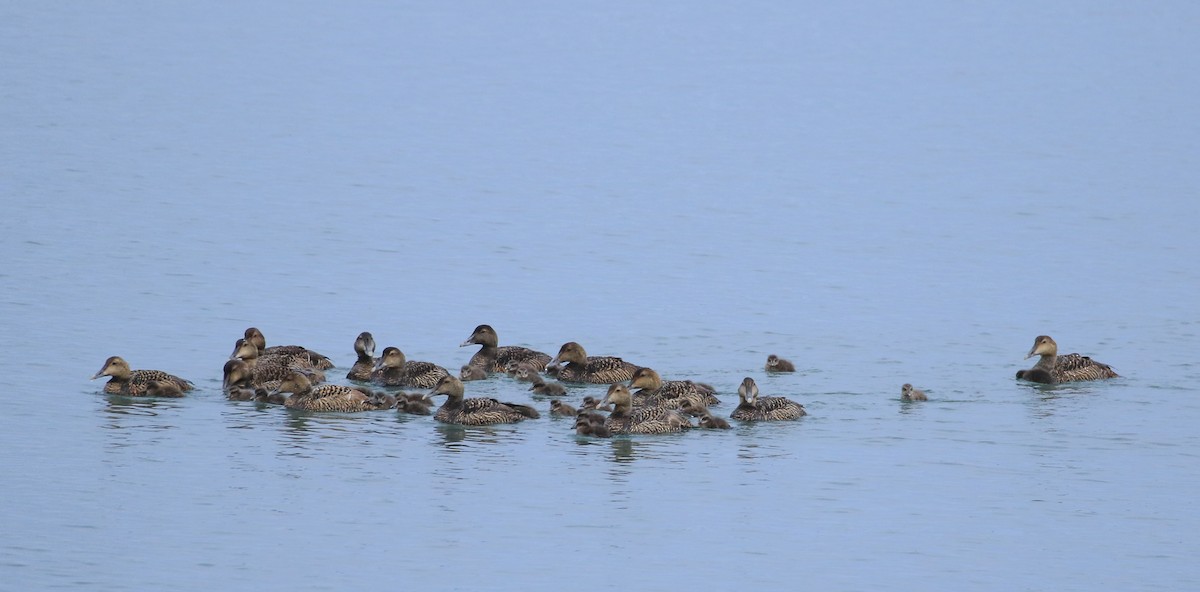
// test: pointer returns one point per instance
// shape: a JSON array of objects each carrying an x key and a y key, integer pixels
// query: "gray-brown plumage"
[
  {"x": 292, "y": 355},
  {"x": 238, "y": 382},
  {"x": 590, "y": 402},
  {"x": 1053, "y": 368},
  {"x": 526, "y": 372},
  {"x": 756, "y": 408},
  {"x": 468, "y": 372},
  {"x": 414, "y": 404},
  {"x": 560, "y": 409},
  {"x": 480, "y": 411},
  {"x": 778, "y": 364},
  {"x": 550, "y": 389},
  {"x": 364, "y": 363},
  {"x": 908, "y": 393},
  {"x": 495, "y": 358},
  {"x": 671, "y": 393},
  {"x": 267, "y": 372},
  {"x": 626, "y": 419},
  {"x": 134, "y": 383},
  {"x": 327, "y": 397},
  {"x": 580, "y": 367},
  {"x": 591, "y": 424},
  {"x": 163, "y": 388},
  {"x": 394, "y": 369},
  {"x": 712, "y": 422}
]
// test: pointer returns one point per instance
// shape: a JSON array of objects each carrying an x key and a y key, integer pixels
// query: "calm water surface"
[{"x": 881, "y": 193}]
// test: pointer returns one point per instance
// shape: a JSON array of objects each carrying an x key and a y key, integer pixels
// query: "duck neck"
[{"x": 1046, "y": 362}]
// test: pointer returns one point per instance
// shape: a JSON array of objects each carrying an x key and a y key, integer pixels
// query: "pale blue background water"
[{"x": 884, "y": 193}]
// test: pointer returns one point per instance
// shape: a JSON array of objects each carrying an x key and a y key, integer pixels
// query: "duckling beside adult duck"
[
  {"x": 1053, "y": 368},
  {"x": 625, "y": 419},
  {"x": 134, "y": 383},
  {"x": 560, "y": 409},
  {"x": 394, "y": 369},
  {"x": 292, "y": 355},
  {"x": 269, "y": 372},
  {"x": 459, "y": 410},
  {"x": 654, "y": 391},
  {"x": 469, "y": 372},
  {"x": 778, "y": 364},
  {"x": 580, "y": 367},
  {"x": 709, "y": 421},
  {"x": 238, "y": 382},
  {"x": 364, "y": 364},
  {"x": 756, "y": 408},
  {"x": 493, "y": 357},
  {"x": 327, "y": 397},
  {"x": 591, "y": 424},
  {"x": 550, "y": 389}
]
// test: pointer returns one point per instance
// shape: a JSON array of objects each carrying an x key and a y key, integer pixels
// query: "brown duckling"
[
  {"x": 580, "y": 367},
  {"x": 591, "y": 424},
  {"x": 463, "y": 411},
  {"x": 237, "y": 382},
  {"x": 549, "y": 389},
  {"x": 671, "y": 394},
  {"x": 468, "y": 373},
  {"x": 756, "y": 408},
  {"x": 625, "y": 419},
  {"x": 327, "y": 397},
  {"x": 491, "y": 357},
  {"x": 414, "y": 404},
  {"x": 1053, "y": 368},
  {"x": 526, "y": 373},
  {"x": 778, "y": 364},
  {"x": 560, "y": 409},
  {"x": 293, "y": 355},
  {"x": 134, "y": 383},
  {"x": 712, "y": 422},
  {"x": 394, "y": 369},
  {"x": 908, "y": 393},
  {"x": 590, "y": 402},
  {"x": 364, "y": 364}
]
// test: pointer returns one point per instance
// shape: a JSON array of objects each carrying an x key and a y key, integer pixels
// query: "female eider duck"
[
  {"x": 671, "y": 393},
  {"x": 134, "y": 383},
  {"x": 778, "y": 364},
  {"x": 908, "y": 393},
  {"x": 292, "y": 355},
  {"x": 625, "y": 419},
  {"x": 394, "y": 369},
  {"x": 1053, "y": 368},
  {"x": 494, "y": 358},
  {"x": 476, "y": 412},
  {"x": 755, "y": 408},
  {"x": 364, "y": 365},
  {"x": 327, "y": 397},
  {"x": 581, "y": 367},
  {"x": 271, "y": 371}
]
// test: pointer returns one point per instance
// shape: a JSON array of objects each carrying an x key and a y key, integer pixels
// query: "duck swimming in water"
[
  {"x": 778, "y": 364},
  {"x": 590, "y": 402},
  {"x": 908, "y": 393},
  {"x": 394, "y": 369},
  {"x": 560, "y": 409},
  {"x": 494, "y": 358},
  {"x": 671, "y": 393},
  {"x": 163, "y": 388},
  {"x": 134, "y": 383},
  {"x": 364, "y": 364},
  {"x": 468, "y": 373},
  {"x": 238, "y": 384},
  {"x": 756, "y": 408},
  {"x": 550, "y": 389},
  {"x": 291, "y": 355},
  {"x": 1053, "y": 368},
  {"x": 269, "y": 372},
  {"x": 327, "y": 397},
  {"x": 625, "y": 419},
  {"x": 591, "y": 424},
  {"x": 459, "y": 410},
  {"x": 581, "y": 367},
  {"x": 709, "y": 421}
]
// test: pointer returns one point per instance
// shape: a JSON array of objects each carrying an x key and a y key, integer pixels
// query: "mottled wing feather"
[
  {"x": 599, "y": 370},
  {"x": 1074, "y": 367}
]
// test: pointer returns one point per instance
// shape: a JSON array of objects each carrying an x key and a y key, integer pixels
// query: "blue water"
[{"x": 882, "y": 193}]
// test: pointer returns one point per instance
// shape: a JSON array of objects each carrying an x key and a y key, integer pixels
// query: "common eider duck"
[
  {"x": 468, "y": 373},
  {"x": 590, "y": 402},
  {"x": 580, "y": 367},
  {"x": 591, "y": 424},
  {"x": 756, "y": 408},
  {"x": 494, "y": 358},
  {"x": 293, "y": 355},
  {"x": 551, "y": 389},
  {"x": 238, "y": 382},
  {"x": 393, "y": 369},
  {"x": 163, "y": 388},
  {"x": 364, "y": 364},
  {"x": 134, "y": 383},
  {"x": 712, "y": 422},
  {"x": 626, "y": 419},
  {"x": 560, "y": 409},
  {"x": 1053, "y": 368},
  {"x": 671, "y": 393},
  {"x": 459, "y": 410},
  {"x": 908, "y": 393},
  {"x": 327, "y": 397},
  {"x": 414, "y": 404},
  {"x": 269, "y": 372},
  {"x": 778, "y": 364}
]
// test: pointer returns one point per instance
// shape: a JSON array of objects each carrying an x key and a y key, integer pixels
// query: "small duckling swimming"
[
  {"x": 670, "y": 394},
  {"x": 590, "y": 402},
  {"x": 755, "y": 408},
  {"x": 560, "y": 409},
  {"x": 292, "y": 355},
  {"x": 591, "y": 424},
  {"x": 458, "y": 410},
  {"x": 493, "y": 358},
  {"x": 549, "y": 389},
  {"x": 712, "y": 422},
  {"x": 778, "y": 364},
  {"x": 134, "y": 383},
  {"x": 580, "y": 367},
  {"x": 327, "y": 397},
  {"x": 364, "y": 365},
  {"x": 468, "y": 372},
  {"x": 237, "y": 382},
  {"x": 1053, "y": 368},
  {"x": 625, "y": 419},
  {"x": 908, "y": 393},
  {"x": 394, "y": 369},
  {"x": 526, "y": 373},
  {"x": 414, "y": 404}
]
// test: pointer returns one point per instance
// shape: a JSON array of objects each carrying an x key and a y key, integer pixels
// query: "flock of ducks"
[{"x": 294, "y": 376}]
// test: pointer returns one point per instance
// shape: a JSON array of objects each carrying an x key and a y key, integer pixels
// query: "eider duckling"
[
  {"x": 364, "y": 365},
  {"x": 590, "y": 402},
  {"x": 671, "y": 394},
  {"x": 712, "y": 422},
  {"x": 468, "y": 372},
  {"x": 293, "y": 355},
  {"x": 580, "y": 367},
  {"x": 163, "y": 388},
  {"x": 908, "y": 393},
  {"x": 414, "y": 404},
  {"x": 560, "y": 409},
  {"x": 493, "y": 358},
  {"x": 458, "y": 410},
  {"x": 591, "y": 424},
  {"x": 238, "y": 384},
  {"x": 625, "y": 419},
  {"x": 394, "y": 369},
  {"x": 1053, "y": 368},
  {"x": 755, "y": 408},
  {"x": 778, "y": 364},
  {"x": 526, "y": 373},
  {"x": 327, "y": 397},
  {"x": 134, "y": 383},
  {"x": 550, "y": 389}
]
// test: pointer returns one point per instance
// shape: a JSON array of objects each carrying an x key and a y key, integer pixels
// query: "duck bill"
[
  {"x": 98, "y": 374},
  {"x": 552, "y": 363},
  {"x": 1032, "y": 352},
  {"x": 466, "y": 343}
]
